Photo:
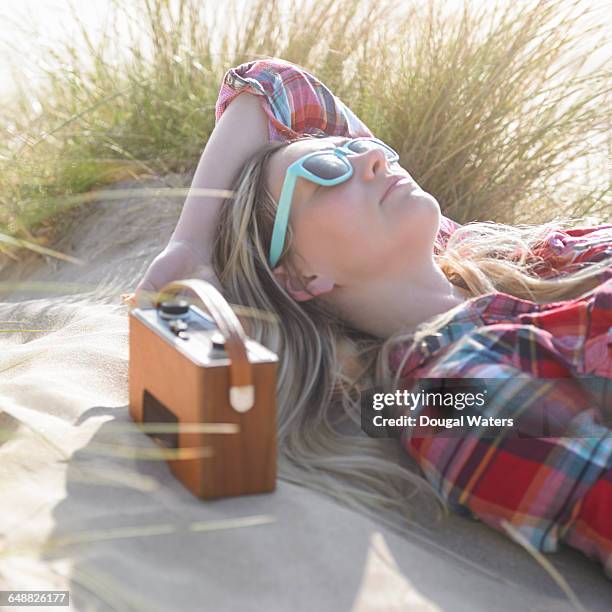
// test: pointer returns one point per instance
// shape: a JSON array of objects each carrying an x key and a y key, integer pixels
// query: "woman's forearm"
[{"x": 241, "y": 131}]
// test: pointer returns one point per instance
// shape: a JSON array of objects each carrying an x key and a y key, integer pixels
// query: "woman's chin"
[
  {"x": 419, "y": 202},
  {"x": 424, "y": 195}
]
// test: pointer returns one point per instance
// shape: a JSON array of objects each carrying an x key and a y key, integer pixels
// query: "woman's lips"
[{"x": 400, "y": 183}]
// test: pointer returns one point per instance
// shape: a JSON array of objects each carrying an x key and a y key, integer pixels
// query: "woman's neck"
[{"x": 392, "y": 303}]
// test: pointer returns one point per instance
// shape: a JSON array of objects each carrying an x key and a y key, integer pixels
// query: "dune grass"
[{"x": 492, "y": 110}]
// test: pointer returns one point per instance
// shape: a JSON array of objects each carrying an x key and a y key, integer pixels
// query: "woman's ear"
[{"x": 304, "y": 290}]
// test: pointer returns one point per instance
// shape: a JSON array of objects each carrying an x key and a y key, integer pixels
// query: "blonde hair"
[{"x": 324, "y": 365}]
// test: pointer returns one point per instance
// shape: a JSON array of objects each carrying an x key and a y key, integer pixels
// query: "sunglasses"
[{"x": 326, "y": 167}]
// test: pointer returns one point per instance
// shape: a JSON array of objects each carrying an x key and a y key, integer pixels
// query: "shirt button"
[{"x": 431, "y": 343}]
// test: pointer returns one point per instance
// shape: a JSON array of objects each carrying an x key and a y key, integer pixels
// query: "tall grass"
[{"x": 492, "y": 110}]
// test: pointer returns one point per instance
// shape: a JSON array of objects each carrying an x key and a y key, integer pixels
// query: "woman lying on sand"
[{"x": 375, "y": 289}]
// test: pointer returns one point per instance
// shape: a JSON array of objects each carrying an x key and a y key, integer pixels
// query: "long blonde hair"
[{"x": 325, "y": 365}]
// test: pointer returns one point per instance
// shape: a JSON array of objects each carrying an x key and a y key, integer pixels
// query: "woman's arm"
[{"x": 239, "y": 133}]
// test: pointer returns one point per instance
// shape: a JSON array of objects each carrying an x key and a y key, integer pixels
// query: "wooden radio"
[{"x": 192, "y": 373}]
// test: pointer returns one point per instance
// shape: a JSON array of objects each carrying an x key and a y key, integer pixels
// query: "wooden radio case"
[{"x": 188, "y": 368}]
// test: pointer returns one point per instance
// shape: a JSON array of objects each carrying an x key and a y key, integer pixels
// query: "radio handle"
[{"x": 242, "y": 390}]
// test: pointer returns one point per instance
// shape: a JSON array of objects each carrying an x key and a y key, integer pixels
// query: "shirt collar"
[{"x": 476, "y": 312}]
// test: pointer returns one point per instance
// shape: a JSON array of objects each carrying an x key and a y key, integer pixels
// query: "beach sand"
[{"x": 83, "y": 511}]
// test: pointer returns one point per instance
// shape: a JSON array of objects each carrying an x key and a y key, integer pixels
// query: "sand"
[{"x": 83, "y": 511}]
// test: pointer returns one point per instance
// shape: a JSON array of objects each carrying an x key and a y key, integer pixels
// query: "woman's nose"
[{"x": 372, "y": 162}]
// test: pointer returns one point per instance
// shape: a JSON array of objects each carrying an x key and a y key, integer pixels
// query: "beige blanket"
[{"x": 82, "y": 509}]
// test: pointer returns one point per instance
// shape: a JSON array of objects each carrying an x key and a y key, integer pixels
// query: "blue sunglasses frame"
[{"x": 296, "y": 170}]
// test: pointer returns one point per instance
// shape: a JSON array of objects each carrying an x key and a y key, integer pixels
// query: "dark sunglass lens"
[
  {"x": 326, "y": 166},
  {"x": 361, "y": 146}
]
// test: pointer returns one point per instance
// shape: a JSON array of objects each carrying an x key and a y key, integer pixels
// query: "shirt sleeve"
[
  {"x": 549, "y": 485},
  {"x": 294, "y": 100},
  {"x": 566, "y": 251}
]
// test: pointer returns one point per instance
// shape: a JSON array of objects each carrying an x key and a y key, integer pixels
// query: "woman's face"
[{"x": 356, "y": 230}]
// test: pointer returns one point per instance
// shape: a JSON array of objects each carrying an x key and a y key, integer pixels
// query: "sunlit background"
[{"x": 29, "y": 27}]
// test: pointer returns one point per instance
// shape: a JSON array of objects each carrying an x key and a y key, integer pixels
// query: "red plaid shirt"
[{"x": 548, "y": 489}]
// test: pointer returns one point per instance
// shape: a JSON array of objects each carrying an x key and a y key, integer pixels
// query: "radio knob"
[
  {"x": 171, "y": 310},
  {"x": 179, "y": 328},
  {"x": 218, "y": 342}
]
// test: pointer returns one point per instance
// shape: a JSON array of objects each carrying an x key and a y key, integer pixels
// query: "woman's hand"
[
  {"x": 143, "y": 297},
  {"x": 237, "y": 136},
  {"x": 178, "y": 261},
  {"x": 129, "y": 299}
]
